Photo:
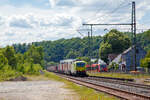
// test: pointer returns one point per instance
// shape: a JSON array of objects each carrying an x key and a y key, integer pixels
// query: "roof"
[
  {"x": 117, "y": 59},
  {"x": 126, "y": 51}
]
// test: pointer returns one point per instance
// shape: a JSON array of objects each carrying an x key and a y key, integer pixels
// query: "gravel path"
[{"x": 35, "y": 90}]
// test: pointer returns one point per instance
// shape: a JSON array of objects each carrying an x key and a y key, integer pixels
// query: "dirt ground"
[{"x": 35, "y": 90}]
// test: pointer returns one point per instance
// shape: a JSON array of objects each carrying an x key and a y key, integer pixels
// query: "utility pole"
[
  {"x": 89, "y": 47},
  {"x": 133, "y": 30},
  {"x": 91, "y": 40}
]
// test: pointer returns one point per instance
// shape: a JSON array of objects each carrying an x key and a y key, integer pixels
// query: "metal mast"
[{"x": 133, "y": 30}]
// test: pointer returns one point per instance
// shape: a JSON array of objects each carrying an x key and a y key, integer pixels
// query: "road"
[{"x": 35, "y": 90}]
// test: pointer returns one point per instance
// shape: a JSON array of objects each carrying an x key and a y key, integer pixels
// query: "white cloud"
[
  {"x": 28, "y": 24},
  {"x": 20, "y": 23},
  {"x": 33, "y": 27}
]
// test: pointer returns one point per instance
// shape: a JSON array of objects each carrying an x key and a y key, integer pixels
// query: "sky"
[{"x": 26, "y": 21}]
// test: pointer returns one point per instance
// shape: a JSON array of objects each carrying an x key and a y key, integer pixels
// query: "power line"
[
  {"x": 80, "y": 33},
  {"x": 98, "y": 11},
  {"x": 118, "y": 7},
  {"x": 113, "y": 11}
]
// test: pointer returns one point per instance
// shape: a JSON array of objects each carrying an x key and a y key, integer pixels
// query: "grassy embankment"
[{"x": 83, "y": 92}]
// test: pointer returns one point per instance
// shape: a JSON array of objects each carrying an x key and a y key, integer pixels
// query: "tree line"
[{"x": 113, "y": 42}]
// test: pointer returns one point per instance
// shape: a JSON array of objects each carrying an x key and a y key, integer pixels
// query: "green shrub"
[
  {"x": 29, "y": 68},
  {"x": 36, "y": 68},
  {"x": 114, "y": 66},
  {"x": 7, "y": 73}
]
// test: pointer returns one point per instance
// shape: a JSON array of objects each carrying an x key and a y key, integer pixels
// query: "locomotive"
[{"x": 72, "y": 67}]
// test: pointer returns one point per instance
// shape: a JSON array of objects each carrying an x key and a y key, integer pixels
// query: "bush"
[
  {"x": 29, "y": 68},
  {"x": 145, "y": 63},
  {"x": 36, "y": 69},
  {"x": 113, "y": 66},
  {"x": 7, "y": 73}
]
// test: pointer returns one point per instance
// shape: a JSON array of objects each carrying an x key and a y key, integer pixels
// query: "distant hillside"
[
  {"x": 76, "y": 47},
  {"x": 142, "y": 38},
  {"x": 64, "y": 48}
]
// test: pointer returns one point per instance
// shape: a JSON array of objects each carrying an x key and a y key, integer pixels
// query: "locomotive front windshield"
[{"x": 80, "y": 64}]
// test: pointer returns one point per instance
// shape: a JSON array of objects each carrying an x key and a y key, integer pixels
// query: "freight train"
[
  {"x": 70, "y": 67},
  {"x": 77, "y": 67}
]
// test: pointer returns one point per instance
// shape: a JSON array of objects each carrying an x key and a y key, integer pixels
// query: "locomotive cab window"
[{"x": 80, "y": 64}]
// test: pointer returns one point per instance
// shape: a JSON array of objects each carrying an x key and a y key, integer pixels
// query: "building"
[
  {"x": 127, "y": 59},
  {"x": 111, "y": 57}
]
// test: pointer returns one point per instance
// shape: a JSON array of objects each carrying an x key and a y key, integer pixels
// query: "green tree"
[
  {"x": 144, "y": 39},
  {"x": 9, "y": 53},
  {"x": 72, "y": 54},
  {"x": 3, "y": 61},
  {"x": 86, "y": 59},
  {"x": 146, "y": 61},
  {"x": 35, "y": 54},
  {"x": 51, "y": 63},
  {"x": 114, "y": 42},
  {"x": 104, "y": 50},
  {"x": 148, "y": 54}
]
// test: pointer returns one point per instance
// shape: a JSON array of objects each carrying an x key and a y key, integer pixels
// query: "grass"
[
  {"x": 83, "y": 92},
  {"x": 36, "y": 77}
]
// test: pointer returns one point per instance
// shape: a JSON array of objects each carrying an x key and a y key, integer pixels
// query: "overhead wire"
[
  {"x": 121, "y": 5},
  {"x": 98, "y": 11},
  {"x": 116, "y": 9}
]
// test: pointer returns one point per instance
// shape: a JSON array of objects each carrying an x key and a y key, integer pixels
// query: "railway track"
[
  {"x": 120, "y": 90},
  {"x": 120, "y": 82},
  {"x": 119, "y": 79}
]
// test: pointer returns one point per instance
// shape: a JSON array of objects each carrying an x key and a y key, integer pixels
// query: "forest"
[{"x": 113, "y": 42}]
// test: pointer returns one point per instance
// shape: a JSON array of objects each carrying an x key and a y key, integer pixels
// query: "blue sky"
[
  {"x": 20, "y": 3},
  {"x": 26, "y": 21}
]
